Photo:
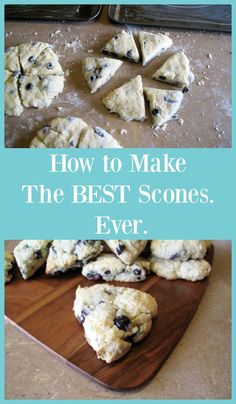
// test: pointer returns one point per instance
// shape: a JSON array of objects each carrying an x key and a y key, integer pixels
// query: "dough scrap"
[
  {"x": 127, "y": 100},
  {"x": 152, "y": 45},
  {"x": 163, "y": 104},
  {"x": 176, "y": 71},
  {"x": 123, "y": 45},
  {"x": 98, "y": 71}
]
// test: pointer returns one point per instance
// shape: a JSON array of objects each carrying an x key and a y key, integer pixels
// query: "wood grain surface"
[{"x": 42, "y": 307}]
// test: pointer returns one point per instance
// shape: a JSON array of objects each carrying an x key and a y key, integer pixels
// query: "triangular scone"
[
  {"x": 68, "y": 254},
  {"x": 176, "y": 71},
  {"x": 12, "y": 62},
  {"x": 127, "y": 250},
  {"x": 31, "y": 255},
  {"x": 98, "y": 71},
  {"x": 46, "y": 63},
  {"x": 123, "y": 45},
  {"x": 110, "y": 268},
  {"x": 163, "y": 104},
  {"x": 29, "y": 52},
  {"x": 60, "y": 133},
  {"x": 9, "y": 261},
  {"x": 93, "y": 138},
  {"x": 127, "y": 100},
  {"x": 192, "y": 270},
  {"x": 113, "y": 318},
  {"x": 152, "y": 45},
  {"x": 13, "y": 105}
]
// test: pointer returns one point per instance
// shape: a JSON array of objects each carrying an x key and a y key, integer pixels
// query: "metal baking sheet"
[
  {"x": 208, "y": 17},
  {"x": 45, "y": 12}
]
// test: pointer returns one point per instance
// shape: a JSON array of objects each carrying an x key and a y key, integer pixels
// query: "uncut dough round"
[
  {"x": 182, "y": 250},
  {"x": 33, "y": 77},
  {"x": 192, "y": 270},
  {"x": 113, "y": 318}
]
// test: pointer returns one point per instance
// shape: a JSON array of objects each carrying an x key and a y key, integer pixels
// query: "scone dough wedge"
[
  {"x": 30, "y": 255},
  {"x": 152, "y": 45},
  {"x": 68, "y": 254},
  {"x": 13, "y": 104},
  {"x": 182, "y": 250},
  {"x": 127, "y": 250},
  {"x": 8, "y": 266},
  {"x": 176, "y": 71},
  {"x": 110, "y": 268},
  {"x": 112, "y": 317},
  {"x": 97, "y": 138},
  {"x": 98, "y": 71},
  {"x": 192, "y": 270},
  {"x": 123, "y": 45},
  {"x": 127, "y": 100},
  {"x": 60, "y": 133},
  {"x": 163, "y": 104}
]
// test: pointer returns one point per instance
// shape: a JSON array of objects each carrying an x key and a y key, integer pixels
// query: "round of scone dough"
[
  {"x": 182, "y": 250},
  {"x": 127, "y": 250},
  {"x": 192, "y": 270},
  {"x": 113, "y": 318},
  {"x": 33, "y": 77},
  {"x": 110, "y": 268},
  {"x": 8, "y": 266},
  {"x": 68, "y": 254}
]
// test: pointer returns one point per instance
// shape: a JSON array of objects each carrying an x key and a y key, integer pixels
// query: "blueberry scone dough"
[
  {"x": 176, "y": 71},
  {"x": 8, "y": 266},
  {"x": 97, "y": 137},
  {"x": 163, "y": 104},
  {"x": 110, "y": 268},
  {"x": 61, "y": 132},
  {"x": 182, "y": 250},
  {"x": 68, "y": 254},
  {"x": 127, "y": 100},
  {"x": 127, "y": 250},
  {"x": 36, "y": 77},
  {"x": 113, "y": 318},
  {"x": 152, "y": 45},
  {"x": 123, "y": 45},
  {"x": 30, "y": 255},
  {"x": 98, "y": 71},
  {"x": 192, "y": 270}
]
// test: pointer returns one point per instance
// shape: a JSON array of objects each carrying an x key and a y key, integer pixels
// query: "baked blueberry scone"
[
  {"x": 127, "y": 250},
  {"x": 8, "y": 265},
  {"x": 113, "y": 318},
  {"x": 30, "y": 255},
  {"x": 152, "y": 45},
  {"x": 110, "y": 268},
  {"x": 182, "y": 250},
  {"x": 192, "y": 270},
  {"x": 68, "y": 254}
]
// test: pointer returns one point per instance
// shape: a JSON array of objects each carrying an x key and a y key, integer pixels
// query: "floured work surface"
[
  {"x": 42, "y": 307},
  {"x": 205, "y": 113}
]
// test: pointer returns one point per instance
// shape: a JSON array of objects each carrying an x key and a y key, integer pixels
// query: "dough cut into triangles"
[
  {"x": 13, "y": 105},
  {"x": 152, "y": 45},
  {"x": 176, "y": 71},
  {"x": 123, "y": 45},
  {"x": 163, "y": 104},
  {"x": 127, "y": 100},
  {"x": 29, "y": 52},
  {"x": 113, "y": 318},
  {"x": 92, "y": 138},
  {"x": 98, "y": 71}
]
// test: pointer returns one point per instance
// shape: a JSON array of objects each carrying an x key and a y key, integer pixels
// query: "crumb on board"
[
  {"x": 180, "y": 121},
  {"x": 123, "y": 131},
  {"x": 209, "y": 56}
]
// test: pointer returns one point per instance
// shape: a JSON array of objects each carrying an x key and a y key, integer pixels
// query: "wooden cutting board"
[{"x": 42, "y": 307}]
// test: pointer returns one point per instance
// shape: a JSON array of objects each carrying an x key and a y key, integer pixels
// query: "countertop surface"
[
  {"x": 198, "y": 368},
  {"x": 205, "y": 113}
]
